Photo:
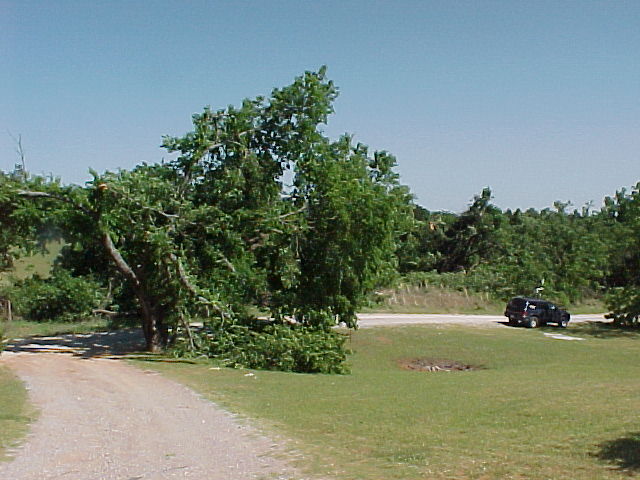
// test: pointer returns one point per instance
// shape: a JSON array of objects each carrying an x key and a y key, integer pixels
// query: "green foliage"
[
  {"x": 504, "y": 254},
  {"x": 624, "y": 297},
  {"x": 59, "y": 297},
  {"x": 268, "y": 346},
  {"x": 471, "y": 238},
  {"x": 24, "y": 228},
  {"x": 307, "y": 255},
  {"x": 216, "y": 229}
]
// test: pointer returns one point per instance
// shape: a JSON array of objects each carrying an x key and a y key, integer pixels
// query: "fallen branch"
[{"x": 184, "y": 280}]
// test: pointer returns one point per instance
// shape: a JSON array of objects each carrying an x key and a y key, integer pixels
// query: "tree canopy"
[{"x": 223, "y": 226}]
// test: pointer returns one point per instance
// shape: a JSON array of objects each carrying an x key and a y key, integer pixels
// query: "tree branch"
[
  {"x": 121, "y": 264},
  {"x": 77, "y": 206},
  {"x": 184, "y": 279}
]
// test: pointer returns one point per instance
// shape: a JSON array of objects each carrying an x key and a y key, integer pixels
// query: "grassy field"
[
  {"x": 39, "y": 263},
  {"x": 15, "y": 412},
  {"x": 535, "y": 408}
]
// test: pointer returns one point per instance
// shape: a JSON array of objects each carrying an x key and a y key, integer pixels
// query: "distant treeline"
[{"x": 569, "y": 255}]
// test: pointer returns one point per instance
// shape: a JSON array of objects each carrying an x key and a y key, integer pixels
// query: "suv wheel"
[
  {"x": 563, "y": 323},
  {"x": 533, "y": 322}
]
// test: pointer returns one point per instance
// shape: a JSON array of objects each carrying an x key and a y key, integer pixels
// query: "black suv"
[{"x": 534, "y": 312}]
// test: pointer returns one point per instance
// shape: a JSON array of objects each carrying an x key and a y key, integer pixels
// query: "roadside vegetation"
[
  {"x": 411, "y": 295},
  {"x": 533, "y": 407}
]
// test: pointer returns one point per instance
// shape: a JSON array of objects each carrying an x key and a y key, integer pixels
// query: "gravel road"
[
  {"x": 102, "y": 419},
  {"x": 392, "y": 319}
]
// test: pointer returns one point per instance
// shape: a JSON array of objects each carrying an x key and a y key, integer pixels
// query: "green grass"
[
  {"x": 538, "y": 408},
  {"x": 36, "y": 264},
  {"x": 591, "y": 305},
  {"x": 15, "y": 411}
]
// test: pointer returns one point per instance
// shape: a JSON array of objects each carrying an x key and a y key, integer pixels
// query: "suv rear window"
[{"x": 517, "y": 304}]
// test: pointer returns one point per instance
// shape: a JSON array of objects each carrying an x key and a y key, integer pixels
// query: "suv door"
[
  {"x": 554, "y": 313},
  {"x": 545, "y": 312}
]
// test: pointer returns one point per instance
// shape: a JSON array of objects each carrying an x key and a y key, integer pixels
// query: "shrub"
[
  {"x": 61, "y": 297},
  {"x": 270, "y": 346}
]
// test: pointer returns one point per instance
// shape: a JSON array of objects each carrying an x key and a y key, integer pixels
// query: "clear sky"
[{"x": 540, "y": 100}]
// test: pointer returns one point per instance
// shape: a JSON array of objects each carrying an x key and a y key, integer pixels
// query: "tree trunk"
[{"x": 153, "y": 326}]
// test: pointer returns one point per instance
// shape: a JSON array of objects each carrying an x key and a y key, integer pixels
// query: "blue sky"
[{"x": 538, "y": 100}]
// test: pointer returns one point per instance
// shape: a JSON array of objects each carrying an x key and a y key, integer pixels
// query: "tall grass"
[{"x": 408, "y": 298}]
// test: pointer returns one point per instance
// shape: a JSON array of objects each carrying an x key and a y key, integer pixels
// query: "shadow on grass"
[
  {"x": 588, "y": 329},
  {"x": 603, "y": 330},
  {"x": 623, "y": 452},
  {"x": 148, "y": 357}
]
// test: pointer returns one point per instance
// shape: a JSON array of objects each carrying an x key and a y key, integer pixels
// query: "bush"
[
  {"x": 269, "y": 346},
  {"x": 60, "y": 297},
  {"x": 624, "y": 306}
]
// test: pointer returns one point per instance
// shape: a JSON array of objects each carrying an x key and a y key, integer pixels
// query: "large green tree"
[
  {"x": 219, "y": 227},
  {"x": 623, "y": 215}
]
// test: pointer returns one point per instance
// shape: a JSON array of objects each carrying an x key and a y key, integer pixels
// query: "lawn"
[
  {"x": 534, "y": 408},
  {"x": 35, "y": 264},
  {"x": 15, "y": 413}
]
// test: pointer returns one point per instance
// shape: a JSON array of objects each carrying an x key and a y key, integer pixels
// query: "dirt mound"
[{"x": 434, "y": 365}]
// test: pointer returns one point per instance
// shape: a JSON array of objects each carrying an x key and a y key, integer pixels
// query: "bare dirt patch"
[{"x": 435, "y": 365}]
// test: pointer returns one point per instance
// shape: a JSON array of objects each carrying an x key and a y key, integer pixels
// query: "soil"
[
  {"x": 102, "y": 419},
  {"x": 433, "y": 365}
]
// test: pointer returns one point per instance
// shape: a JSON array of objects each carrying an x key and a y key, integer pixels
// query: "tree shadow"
[
  {"x": 604, "y": 330},
  {"x": 99, "y": 344},
  {"x": 623, "y": 452}
]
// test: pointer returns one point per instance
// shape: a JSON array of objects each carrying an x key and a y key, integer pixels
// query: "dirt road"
[{"x": 102, "y": 419}]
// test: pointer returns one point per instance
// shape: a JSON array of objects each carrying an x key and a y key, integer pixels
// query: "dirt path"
[{"x": 102, "y": 419}]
